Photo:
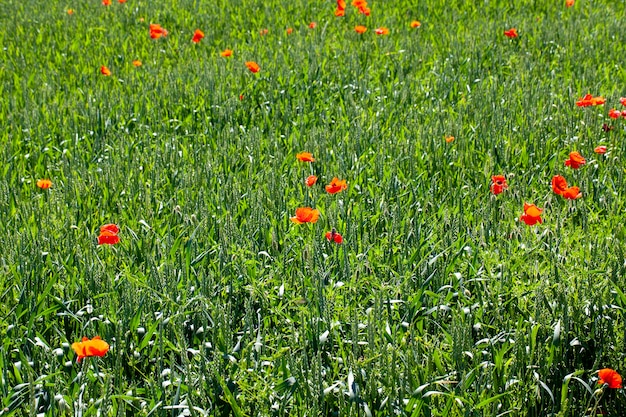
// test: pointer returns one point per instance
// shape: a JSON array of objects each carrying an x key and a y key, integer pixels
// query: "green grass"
[{"x": 440, "y": 301}]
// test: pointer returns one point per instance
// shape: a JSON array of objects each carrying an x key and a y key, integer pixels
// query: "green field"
[{"x": 440, "y": 301}]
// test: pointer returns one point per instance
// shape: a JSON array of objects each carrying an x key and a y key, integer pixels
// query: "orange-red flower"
[
  {"x": 382, "y": 31},
  {"x": 312, "y": 25},
  {"x": 600, "y": 149},
  {"x": 333, "y": 236},
  {"x": 289, "y": 31},
  {"x": 70, "y": 11},
  {"x": 341, "y": 4},
  {"x": 310, "y": 181},
  {"x": 498, "y": 184},
  {"x": 263, "y": 32},
  {"x": 44, "y": 184},
  {"x": 105, "y": 71},
  {"x": 156, "y": 31},
  {"x": 575, "y": 160},
  {"x": 340, "y": 12},
  {"x": 415, "y": 24},
  {"x": 108, "y": 234},
  {"x": 226, "y": 53},
  {"x": 610, "y": 377},
  {"x": 90, "y": 347},
  {"x": 559, "y": 186},
  {"x": 589, "y": 100},
  {"x": 569, "y": 3},
  {"x": 197, "y": 36},
  {"x": 106, "y": 2},
  {"x": 253, "y": 66},
  {"x": 121, "y": 1},
  {"x": 615, "y": 114},
  {"x": 336, "y": 185},
  {"x": 137, "y": 63},
  {"x": 532, "y": 214},
  {"x": 449, "y": 139},
  {"x": 511, "y": 33},
  {"x": 360, "y": 29},
  {"x": 362, "y": 6},
  {"x": 623, "y": 101},
  {"x": 305, "y": 157},
  {"x": 305, "y": 215}
]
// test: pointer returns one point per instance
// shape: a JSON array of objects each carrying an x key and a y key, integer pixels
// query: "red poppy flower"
[
  {"x": 105, "y": 71},
  {"x": 624, "y": 114},
  {"x": 333, "y": 236},
  {"x": 108, "y": 235},
  {"x": 575, "y": 160},
  {"x": 305, "y": 215},
  {"x": 156, "y": 31},
  {"x": 106, "y": 2},
  {"x": 263, "y": 32},
  {"x": 312, "y": 25},
  {"x": 382, "y": 31},
  {"x": 289, "y": 31},
  {"x": 121, "y": 1},
  {"x": 611, "y": 377},
  {"x": 305, "y": 157},
  {"x": 498, "y": 184},
  {"x": 253, "y": 66},
  {"x": 310, "y": 181},
  {"x": 600, "y": 149},
  {"x": 532, "y": 214},
  {"x": 615, "y": 114},
  {"x": 559, "y": 184},
  {"x": 589, "y": 100},
  {"x": 340, "y": 12},
  {"x": 362, "y": 6},
  {"x": 623, "y": 101},
  {"x": 569, "y": 3},
  {"x": 341, "y": 4},
  {"x": 360, "y": 29},
  {"x": 197, "y": 36},
  {"x": 93, "y": 347},
  {"x": 415, "y": 24},
  {"x": 449, "y": 139},
  {"x": 137, "y": 63},
  {"x": 511, "y": 33},
  {"x": 336, "y": 185},
  {"x": 226, "y": 53},
  {"x": 572, "y": 193},
  {"x": 44, "y": 184},
  {"x": 70, "y": 11}
]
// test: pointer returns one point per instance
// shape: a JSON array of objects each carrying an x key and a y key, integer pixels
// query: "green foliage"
[{"x": 440, "y": 301}]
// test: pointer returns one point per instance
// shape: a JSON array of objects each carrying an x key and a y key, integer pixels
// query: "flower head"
[
  {"x": 289, "y": 31},
  {"x": 575, "y": 160},
  {"x": 569, "y": 3},
  {"x": 106, "y": 2},
  {"x": 382, "y": 31},
  {"x": 498, "y": 184},
  {"x": 360, "y": 29},
  {"x": 44, "y": 184},
  {"x": 559, "y": 184},
  {"x": 623, "y": 101},
  {"x": 511, "y": 33},
  {"x": 253, "y": 66},
  {"x": 305, "y": 157},
  {"x": 340, "y": 12},
  {"x": 137, "y": 63},
  {"x": 449, "y": 139},
  {"x": 226, "y": 53},
  {"x": 156, "y": 31},
  {"x": 572, "y": 193},
  {"x": 263, "y": 32},
  {"x": 70, "y": 11},
  {"x": 312, "y": 25},
  {"x": 108, "y": 234},
  {"x": 197, "y": 36},
  {"x": 600, "y": 149},
  {"x": 105, "y": 71},
  {"x": 615, "y": 114},
  {"x": 90, "y": 347},
  {"x": 532, "y": 214},
  {"x": 305, "y": 215},
  {"x": 415, "y": 24},
  {"x": 589, "y": 100},
  {"x": 310, "y": 181},
  {"x": 333, "y": 236},
  {"x": 610, "y": 377},
  {"x": 336, "y": 185}
]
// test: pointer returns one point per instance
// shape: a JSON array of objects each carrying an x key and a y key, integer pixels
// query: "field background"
[{"x": 440, "y": 301}]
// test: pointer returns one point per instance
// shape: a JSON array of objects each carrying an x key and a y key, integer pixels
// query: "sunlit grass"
[{"x": 439, "y": 302}]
